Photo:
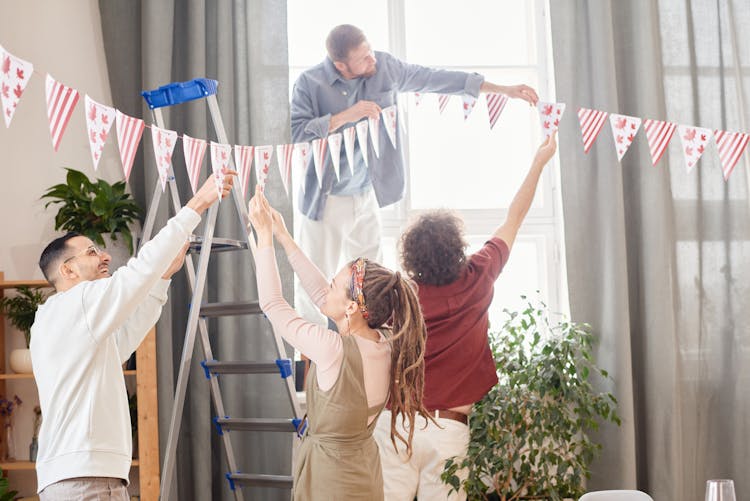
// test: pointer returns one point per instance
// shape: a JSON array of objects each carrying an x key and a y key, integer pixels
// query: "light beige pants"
[{"x": 86, "y": 489}]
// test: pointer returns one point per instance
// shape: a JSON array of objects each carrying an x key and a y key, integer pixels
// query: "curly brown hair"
[
  {"x": 392, "y": 302},
  {"x": 433, "y": 249}
]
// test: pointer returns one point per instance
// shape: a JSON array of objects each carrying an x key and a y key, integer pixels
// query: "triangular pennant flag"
[
  {"x": 164, "y": 142},
  {"x": 469, "y": 103},
  {"x": 402, "y": 110},
  {"x": 319, "y": 159},
  {"x": 694, "y": 141},
  {"x": 243, "y": 161},
  {"x": 659, "y": 134},
  {"x": 263, "y": 156},
  {"x": 129, "y": 132},
  {"x": 624, "y": 129},
  {"x": 99, "y": 121},
  {"x": 549, "y": 116},
  {"x": 194, "y": 150},
  {"x": 220, "y": 158},
  {"x": 301, "y": 159},
  {"x": 374, "y": 125},
  {"x": 443, "y": 100},
  {"x": 361, "y": 128},
  {"x": 591, "y": 122},
  {"x": 731, "y": 146},
  {"x": 284, "y": 159},
  {"x": 334, "y": 145},
  {"x": 417, "y": 98},
  {"x": 390, "y": 121},
  {"x": 14, "y": 75},
  {"x": 495, "y": 105},
  {"x": 349, "y": 135},
  {"x": 61, "y": 100}
]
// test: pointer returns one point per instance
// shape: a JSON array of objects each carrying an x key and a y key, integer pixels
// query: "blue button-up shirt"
[{"x": 321, "y": 92}]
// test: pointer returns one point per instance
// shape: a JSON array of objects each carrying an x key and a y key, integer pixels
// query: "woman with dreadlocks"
[{"x": 375, "y": 358}]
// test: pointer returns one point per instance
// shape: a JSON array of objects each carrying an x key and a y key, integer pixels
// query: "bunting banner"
[
  {"x": 731, "y": 146},
  {"x": 15, "y": 73},
  {"x": 334, "y": 145},
  {"x": 591, "y": 122},
  {"x": 194, "y": 150},
  {"x": 61, "y": 101},
  {"x": 284, "y": 153},
  {"x": 263, "y": 156},
  {"x": 390, "y": 121},
  {"x": 319, "y": 158},
  {"x": 495, "y": 106},
  {"x": 301, "y": 159},
  {"x": 417, "y": 98},
  {"x": 349, "y": 135},
  {"x": 549, "y": 116},
  {"x": 374, "y": 125},
  {"x": 624, "y": 129},
  {"x": 443, "y": 100},
  {"x": 164, "y": 142},
  {"x": 243, "y": 161},
  {"x": 129, "y": 132},
  {"x": 220, "y": 157},
  {"x": 99, "y": 121},
  {"x": 468, "y": 105},
  {"x": 694, "y": 141},
  {"x": 659, "y": 134},
  {"x": 361, "y": 128}
]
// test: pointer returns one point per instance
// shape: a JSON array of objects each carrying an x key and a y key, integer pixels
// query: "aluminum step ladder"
[{"x": 170, "y": 95}]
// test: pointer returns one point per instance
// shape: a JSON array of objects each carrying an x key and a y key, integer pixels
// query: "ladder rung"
[
  {"x": 227, "y": 309},
  {"x": 256, "y": 480},
  {"x": 217, "y": 244},
  {"x": 256, "y": 424},
  {"x": 241, "y": 367}
]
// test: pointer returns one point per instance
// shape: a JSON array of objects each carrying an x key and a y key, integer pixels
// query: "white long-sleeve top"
[
  {"x": 322, "y": 346},
  {"x": 79, "y": 341}
]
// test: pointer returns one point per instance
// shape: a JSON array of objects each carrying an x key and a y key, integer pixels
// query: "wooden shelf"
[
  {"x": 14, "y": 284},
  {"x": 31, "y": 376},
  {"x": 30, "y": 465}
]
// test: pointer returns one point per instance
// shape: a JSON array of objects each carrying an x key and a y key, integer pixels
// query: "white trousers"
[
  {"x": 86, "y": 489},
  {"x": 350, "y": 228},
  {"x": 405, "y": 478}
]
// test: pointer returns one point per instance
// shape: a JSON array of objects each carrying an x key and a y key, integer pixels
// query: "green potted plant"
[
  {"x": 94, "y": 209},
  {"x": 20, "y": 309},
  {"x": 6, "y": 494},
  {"x": 529, "y": 435}
]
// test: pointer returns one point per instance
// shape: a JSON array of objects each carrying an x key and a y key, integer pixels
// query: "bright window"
[{"x": 456, "y": 163}]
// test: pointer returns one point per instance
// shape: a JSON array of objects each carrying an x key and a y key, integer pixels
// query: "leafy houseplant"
[
  {"x": 529, "y": 434},
  {"x": 20, "y": 309},
  {"x": 93, "y": 209},
  {"x": 5, "y": 494}
]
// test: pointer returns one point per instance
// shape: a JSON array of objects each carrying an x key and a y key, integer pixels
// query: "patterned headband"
[{"x": 355, "y": 287}]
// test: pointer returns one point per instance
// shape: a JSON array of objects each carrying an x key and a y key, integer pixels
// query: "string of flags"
[{"x": 15, "y": 74}]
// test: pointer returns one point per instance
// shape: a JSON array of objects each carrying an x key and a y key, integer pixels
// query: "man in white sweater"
[{"x": 81, "y": 337}]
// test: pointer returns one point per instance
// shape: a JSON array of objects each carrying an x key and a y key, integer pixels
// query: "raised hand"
[
  {"x": 259, "y": 213},
  {"x": 208, "y": 193},
  {"x": 547, "y": 149},
  {"x": 522, "y": 92}
]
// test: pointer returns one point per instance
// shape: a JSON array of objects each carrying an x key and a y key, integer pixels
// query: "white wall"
[{"x": 63, "y": 39}]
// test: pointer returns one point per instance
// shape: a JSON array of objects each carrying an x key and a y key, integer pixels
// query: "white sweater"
[{"x": 80, "y": 339}]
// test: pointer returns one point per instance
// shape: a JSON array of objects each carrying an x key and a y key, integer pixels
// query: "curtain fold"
[
  {"x": 242, "y": 45},
  {"x": 658, "y": 257}
]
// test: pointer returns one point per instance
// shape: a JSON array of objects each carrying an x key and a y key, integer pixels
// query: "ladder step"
[
  {"x": 217, "y": 244},
  {"x": 215, "y": 367},
  {"x": 256, "y": 480},
  {"x": 227, "y": 309},
  {"x": 256, "y": 424}
]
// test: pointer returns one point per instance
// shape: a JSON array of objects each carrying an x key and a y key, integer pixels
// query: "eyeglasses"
[{"x": 90, "y": 251}]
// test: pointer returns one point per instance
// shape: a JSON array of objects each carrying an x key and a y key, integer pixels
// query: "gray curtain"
[
  {"x": 658, "y": 258},
  {"x": 243, "y": 45}
]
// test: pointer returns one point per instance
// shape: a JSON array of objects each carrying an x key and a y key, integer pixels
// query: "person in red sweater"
[{"x": 455, "y": 291}]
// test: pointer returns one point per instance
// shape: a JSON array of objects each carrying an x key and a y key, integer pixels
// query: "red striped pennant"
[
  {"x": 334, "y": 146},
  {"x": 468, "y": 105},
  {"x": 443, "y": 100},
  {"x": 220, "y": 158},
  {"x": 164, "y": 141},
  {"x": 99, "y": 121},
  {"x": 284, "y": 153},
  {"x": 361, "y": 128},
  {"x": 15, "y": 73},
  {"x": 319, "y": 152},
  {"x": 129, "y": 132},
  {"x": 495, "y": 106},
  {"x": 61, "y": 100},
  {"x": 659, "y": 134},
  {"x": 263, "y": 156},
  {"x": 243, "y": 160},
  {"x": 731, "y": 146},
  {"x": 591, "y": 122},
  {"x": 194, "y": 151},
  {"x": 349, "y": 135}
]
